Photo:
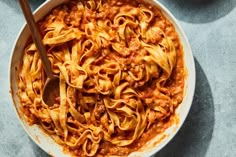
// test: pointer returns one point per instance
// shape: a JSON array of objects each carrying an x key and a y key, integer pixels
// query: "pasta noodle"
[{"x": 121, "y": 73}]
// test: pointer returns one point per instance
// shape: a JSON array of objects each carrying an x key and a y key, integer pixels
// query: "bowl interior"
[{"x": 46, "y": 143}]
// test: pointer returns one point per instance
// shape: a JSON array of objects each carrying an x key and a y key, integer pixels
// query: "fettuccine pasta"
[{"x": 121, "y": 71}]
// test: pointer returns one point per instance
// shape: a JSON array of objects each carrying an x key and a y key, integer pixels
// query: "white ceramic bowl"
[{"x": 52, "y": 148}]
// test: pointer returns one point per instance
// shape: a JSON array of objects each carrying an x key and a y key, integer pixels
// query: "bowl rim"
[{"x": 185, "y": 43}]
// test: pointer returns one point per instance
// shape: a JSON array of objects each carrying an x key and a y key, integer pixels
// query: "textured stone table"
[{"x": 210, "y": 128}]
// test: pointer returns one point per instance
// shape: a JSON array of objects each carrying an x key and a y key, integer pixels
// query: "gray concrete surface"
[{"x": 210, "y": 128}]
